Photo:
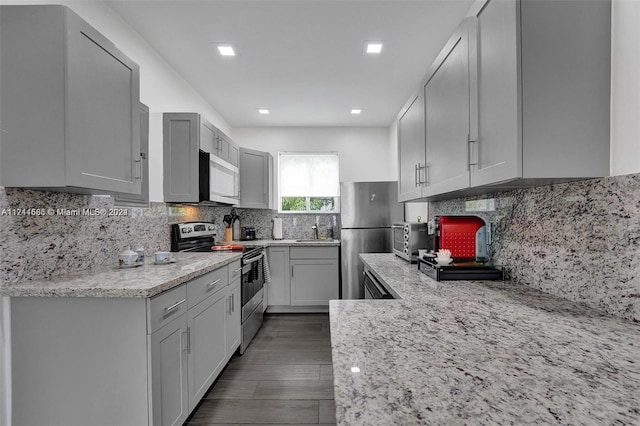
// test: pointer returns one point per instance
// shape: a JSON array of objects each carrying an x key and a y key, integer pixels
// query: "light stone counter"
[
  {"x": 144, "y": 281},
  {"x": 465, "y": 352}
]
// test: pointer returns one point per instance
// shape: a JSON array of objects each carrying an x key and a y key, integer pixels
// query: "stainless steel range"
[{"x": 200, "y": 237}]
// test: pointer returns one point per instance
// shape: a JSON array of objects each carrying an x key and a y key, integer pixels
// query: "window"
[{"x": 308, "y": 182}]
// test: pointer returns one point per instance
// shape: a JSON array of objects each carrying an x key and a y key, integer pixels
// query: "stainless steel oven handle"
[{"x": 253, "y": 259}]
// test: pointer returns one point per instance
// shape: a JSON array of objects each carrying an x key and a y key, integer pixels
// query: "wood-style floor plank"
[{"x": 285, "y": 377}]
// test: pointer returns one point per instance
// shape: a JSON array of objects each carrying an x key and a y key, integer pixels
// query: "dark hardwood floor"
[{"x": 285, "y": 377}]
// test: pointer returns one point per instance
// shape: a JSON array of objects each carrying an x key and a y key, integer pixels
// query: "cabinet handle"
[
  {"x": 213, "y": 283},
  {"x": 189, "y": 340},
  {"x": 233, "y": 302},
  {"x": 237, "y": 270},
  {"x": 419, "y": 167},
  {"x": 291, "y": 271},
  {"x": 230, "y": 305},
  {"x": 174, "y": 306},
  {"x": 416, "y": 175},
  {"x": 183, "y": 341},
  {"x": 472, "y": 159}
]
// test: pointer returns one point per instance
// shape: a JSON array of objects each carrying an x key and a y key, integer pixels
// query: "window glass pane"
[
  {"x": 294, "y": 204},
  {"x": 322, "y": 204}
]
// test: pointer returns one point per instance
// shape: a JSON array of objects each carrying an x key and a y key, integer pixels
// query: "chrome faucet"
[{"x": 315, "y": 231}]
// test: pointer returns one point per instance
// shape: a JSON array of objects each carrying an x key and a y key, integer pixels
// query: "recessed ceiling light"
[
  {"x": 263, "y": 111},
  {"x": 374, "y": 48},
  {"x": 226, "y": 50},
  {"x": 356, "y": 111}
]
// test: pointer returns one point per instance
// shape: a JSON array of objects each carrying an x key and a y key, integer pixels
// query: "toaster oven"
[{"x": 408, "y": 237}]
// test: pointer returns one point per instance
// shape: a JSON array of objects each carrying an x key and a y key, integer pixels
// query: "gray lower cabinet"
[
  {"x": 170, "y": 404},
  {"x": 70, "y": 105},
  {"x": 256, "y": 179},
  {"x": 234, "y": 317},
  {"x": 134, "y": 361},
  {"x": 303, "y": 279},
  {"x": 279, "y": 290},
  {"x": 314, "y": 275},
  {"x": 142, "y": 200}
]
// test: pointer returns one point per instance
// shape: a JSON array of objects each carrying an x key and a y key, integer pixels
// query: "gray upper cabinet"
[
  {"x": 256, "y": 179},
  {"x": 411, "y": 148},
  {"x": 543, "y": 91},
  {"x": 70, "y": 105},
  {"x": 185, "y": 134},
  {"x": 142, "y": 200},
  {"x": 519, "y": 96},
  {"x": 450, "y": 121},
  {"x": 181, "y": 142},
  {"x": 226, "y": 149}
]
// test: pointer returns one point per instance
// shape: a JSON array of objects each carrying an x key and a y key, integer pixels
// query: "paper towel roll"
[{"x": 277, "y": 228}]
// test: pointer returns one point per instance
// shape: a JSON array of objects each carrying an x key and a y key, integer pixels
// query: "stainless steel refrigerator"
[{"x": 367, "y": 211}]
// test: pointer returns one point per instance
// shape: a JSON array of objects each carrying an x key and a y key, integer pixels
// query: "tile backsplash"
[
  {"x": 44, "y": 234},
  {"x": 579, "y": 240}
]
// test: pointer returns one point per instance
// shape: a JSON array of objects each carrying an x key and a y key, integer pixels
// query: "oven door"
[
  {"x": 373, "y": 289},
  {"x": 252, "y": 281}
]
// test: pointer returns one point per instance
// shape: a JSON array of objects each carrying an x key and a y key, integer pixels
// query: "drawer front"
[
  {"x": 166, "y": 306},
  {"x": 314, "y": 253},
  {"x": 204, "y": 286},
  {"x": 235, "y": 271}
]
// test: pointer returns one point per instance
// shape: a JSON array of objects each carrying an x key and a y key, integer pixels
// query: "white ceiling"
[{"x": 302, "y": 59}]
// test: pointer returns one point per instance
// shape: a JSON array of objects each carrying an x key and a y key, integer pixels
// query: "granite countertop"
[
  {"x": 479, "y": 352},
  {"x": 144, "y": 281}
]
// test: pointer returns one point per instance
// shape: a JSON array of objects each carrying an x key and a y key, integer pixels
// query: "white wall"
[
  {"x": 162, "y": 89},
  {"x": 364, "y": 152},
  {"x": 625, "y": 87}
]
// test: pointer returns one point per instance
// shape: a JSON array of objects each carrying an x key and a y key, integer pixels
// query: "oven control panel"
[{"x": 198, "y": 229}]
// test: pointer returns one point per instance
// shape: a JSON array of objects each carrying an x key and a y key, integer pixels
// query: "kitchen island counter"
[{"x": 479, "y": 352}]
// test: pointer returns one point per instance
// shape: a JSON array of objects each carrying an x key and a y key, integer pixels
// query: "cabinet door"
[
  {"x": 411, "y": 148},
  {"x": 314, "y": 281},
  {"x": 102, "y": 112},
  {"x": 279, "y": 291},
  {"x": 206, "y": 344},
  {"x": 254, "y": 179},
  {"x": 169, "y": 373},
  {"x": 141, "y": 200},
  {"x": 208, "y": 137},
  {"x": 234, "y": 154},
  {"x": 234, "y": 312},
  {"x": 447, "y": 112},
  {"x": 498, "y": 150},
  {"x": 181, "y": 136}
]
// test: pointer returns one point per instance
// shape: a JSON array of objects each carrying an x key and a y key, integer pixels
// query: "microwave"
[
  {"x": 408, "y": 237},
  {"x": 219, "y": 180}
]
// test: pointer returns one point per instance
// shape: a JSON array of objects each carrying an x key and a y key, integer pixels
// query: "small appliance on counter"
[
  {"x": 247, "y": 233},
  {"x": 408, "y": 238},
  {"x": 465, "y": 240},
  {"x": 465, "y": 236}
]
